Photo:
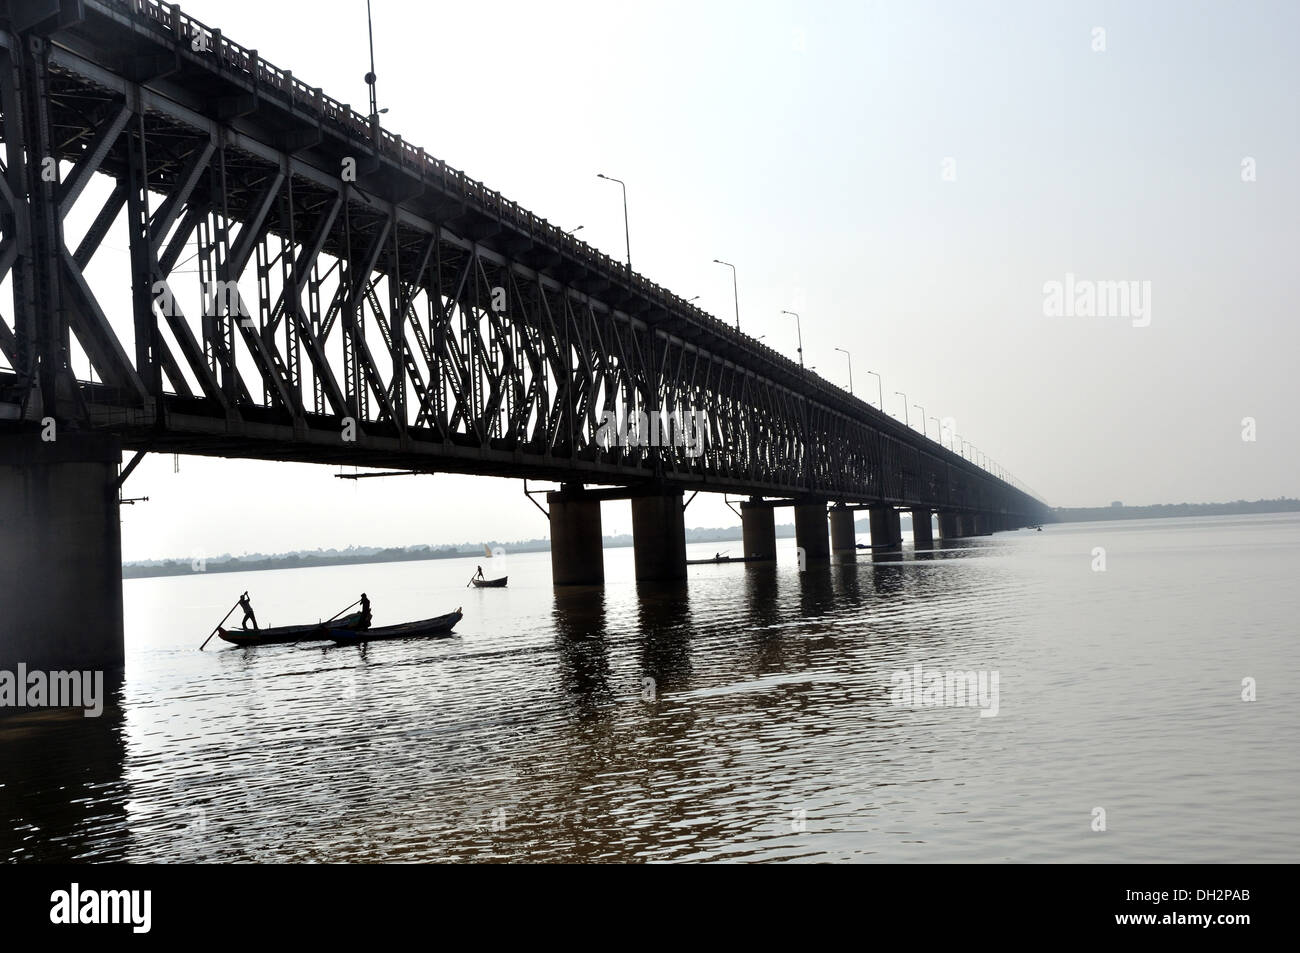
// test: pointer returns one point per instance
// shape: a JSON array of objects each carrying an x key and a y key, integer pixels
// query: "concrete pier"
[
  {"x": 659, "y": 536},
  {"x": 922, "y": 532},
  {"x": 758, "y": 528},
  {"x": 577, "y": 555},
  {"x": 948, "y": 528},
  {"x": 60, "y": 552},
  {"x": 844, "y": 535},
  {"x": 886, "y": 528},
  {"x": 810, "y": 531}
]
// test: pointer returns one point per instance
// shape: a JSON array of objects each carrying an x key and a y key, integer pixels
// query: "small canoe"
[
  {"x": 489, "y": 583},
  {"x": 441, "y": 625},
  {"x": 279, "y": 635}
]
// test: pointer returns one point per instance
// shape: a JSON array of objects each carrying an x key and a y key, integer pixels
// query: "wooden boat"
[
  {"x": 440, "y": 625},
  {"x": 318, "y": 632},
  {"x": 489, "y": 583},
  {"x": 717, "y": 559}
]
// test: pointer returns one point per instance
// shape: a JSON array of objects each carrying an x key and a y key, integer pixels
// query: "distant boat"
[
  {"x": 489, "y": 583},
  {"x": 718, "y": 558},
  {"x": 439, "y": 625},
  {"x": 319, "y": 632}
]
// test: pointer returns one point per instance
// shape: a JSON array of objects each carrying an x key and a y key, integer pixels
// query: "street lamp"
[
  {"x": 906, "y": 419},
  {"x": 880, "y": 394},
  {"x": 626, "y": 237},
  {"x": 574, "y": 231},
  {"x": 735, "y": 290},
  {"x": 939, "y": 427},
  {"x": 849, "y": 357},
  {"x": 375, "y": 111},
  {"x": 798, "y": 327},
  {"x": 924, "y": 427}
]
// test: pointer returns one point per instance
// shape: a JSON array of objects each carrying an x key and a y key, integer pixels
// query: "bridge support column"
[
  {"x": 979, "y": 525},
  {"x": 758, "y": 527},
  {"x": 885, "y": 527},
  {"x": 60, "y": 552},
  {"x": 922, "y": 532},
  {"x": 810, "y": 531},
  {"x": 659, "y": 536},
  {"x": 577, "y": 555},
  {"x": 844, "y": 535},
  {"x": 948, "y": 527}
]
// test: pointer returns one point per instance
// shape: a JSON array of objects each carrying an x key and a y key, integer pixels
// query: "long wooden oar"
[
  {"x": 340, "y": 612},
  {"x": 221, "y": 623}
]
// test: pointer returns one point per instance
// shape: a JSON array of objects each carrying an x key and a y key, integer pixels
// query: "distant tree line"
[
  {"x": 355, "y": 555},
  {"x": 1083, "y": 514}
]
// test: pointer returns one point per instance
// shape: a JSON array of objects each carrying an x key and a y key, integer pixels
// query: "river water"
[{"x": 749, "y": 715}]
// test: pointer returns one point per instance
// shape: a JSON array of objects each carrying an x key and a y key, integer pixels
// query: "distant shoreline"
[
  {"x": 1087, "y": 514},
  {"x": 729, "y": 534}
]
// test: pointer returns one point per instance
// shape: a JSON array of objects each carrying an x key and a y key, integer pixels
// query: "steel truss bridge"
[{"x": 299, "y": 275}]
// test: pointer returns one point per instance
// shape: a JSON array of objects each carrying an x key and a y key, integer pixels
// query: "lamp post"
[
  {"x": 735, "y": 289},
  {"x": 849, "y": 357},
  {"x": 798, "y": 327},
  {"x": 925, "y": 429},
  {"x": 939, "y": 427},
  {"x": 880, "y": 394},
  {"x": 627, "y": 238},
  {"x": 375, "y": 111},
  {"x": 906, "y": 419}
]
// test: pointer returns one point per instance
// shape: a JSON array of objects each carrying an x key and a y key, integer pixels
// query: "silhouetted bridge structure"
[{"x": 304, "y": 285}]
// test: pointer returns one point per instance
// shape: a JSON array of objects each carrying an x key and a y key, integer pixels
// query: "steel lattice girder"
[{"x": 450, "y": 344}]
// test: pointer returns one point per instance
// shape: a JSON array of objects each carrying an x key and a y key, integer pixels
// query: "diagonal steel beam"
[
  {"x": 189, "y": 345},
  {"x": 170, "y": 210},
  {"x": 89, "y": 243},
  {"x": 79, "y": 178},
  {"x": 251, "y": 232},
  {"x": 97, "y": 335}
]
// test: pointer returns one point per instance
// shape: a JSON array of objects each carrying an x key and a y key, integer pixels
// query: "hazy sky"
[{"x": 809, "y": 143}]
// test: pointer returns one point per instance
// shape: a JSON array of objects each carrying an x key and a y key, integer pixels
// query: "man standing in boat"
[
  {"x": 365, "y": 611},
  {"x": 248, "y": 613},
  {"x": 479, "y": 574}
]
